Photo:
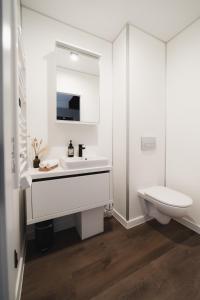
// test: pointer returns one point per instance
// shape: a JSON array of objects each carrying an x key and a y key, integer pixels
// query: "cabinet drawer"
[{"x": 69, "y": 195}]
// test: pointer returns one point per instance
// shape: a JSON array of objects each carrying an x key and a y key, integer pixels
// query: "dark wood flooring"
[{"x": 148, "y": 262}]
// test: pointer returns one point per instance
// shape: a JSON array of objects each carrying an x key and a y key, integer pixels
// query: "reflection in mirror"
[{"x": 77, "y": 85}]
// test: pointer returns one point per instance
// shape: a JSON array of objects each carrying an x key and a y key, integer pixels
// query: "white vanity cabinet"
[{"x": 56, "y": 196}]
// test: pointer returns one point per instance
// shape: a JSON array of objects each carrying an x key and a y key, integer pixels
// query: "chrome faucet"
[{"x": 81, "y": 147}]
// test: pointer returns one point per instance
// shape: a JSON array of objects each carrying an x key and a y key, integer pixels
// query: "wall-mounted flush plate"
[{"x": 148, "y": 143}]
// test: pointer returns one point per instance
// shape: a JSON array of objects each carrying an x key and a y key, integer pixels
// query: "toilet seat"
[
  {"x": 167, "y": 196},
  {"x": 163, "y": 204}
]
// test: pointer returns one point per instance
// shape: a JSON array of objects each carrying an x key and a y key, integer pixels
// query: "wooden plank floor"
[{"x": 148, "y": 262}]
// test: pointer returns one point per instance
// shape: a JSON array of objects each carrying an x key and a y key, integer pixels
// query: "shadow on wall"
[{"x": 58, "y": 133}]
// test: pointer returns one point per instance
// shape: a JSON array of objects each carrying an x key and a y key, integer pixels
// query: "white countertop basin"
[{"x": 83, "y": 162}]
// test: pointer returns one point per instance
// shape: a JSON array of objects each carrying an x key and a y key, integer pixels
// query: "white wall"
[
  {"x": 40, "y": 34},
  {"x": 183, "y": 116},
  {"x": 119, "y": 123},
  {"x": 83, "y": 84},
  {"x": 146, "y": 114},
  {"x": 139, "y": 110}
]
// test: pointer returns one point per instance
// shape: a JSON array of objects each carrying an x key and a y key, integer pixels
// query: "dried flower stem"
[{"x": 36, "y": 144}]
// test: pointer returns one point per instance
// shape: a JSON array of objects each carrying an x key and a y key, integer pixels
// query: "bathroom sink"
[{"x": 83, "y": 162}]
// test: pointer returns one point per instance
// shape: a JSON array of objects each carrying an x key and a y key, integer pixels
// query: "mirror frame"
[{"x": 85, "y": 52}]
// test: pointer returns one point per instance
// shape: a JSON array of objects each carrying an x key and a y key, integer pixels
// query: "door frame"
[{"x": 7, "y": 288}]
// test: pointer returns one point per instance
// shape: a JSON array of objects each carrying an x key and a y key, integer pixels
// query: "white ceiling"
[{"x": 105, "y": 18}]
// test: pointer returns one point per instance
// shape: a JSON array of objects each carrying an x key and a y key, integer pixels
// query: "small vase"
[{"x": 36, "y": 162}]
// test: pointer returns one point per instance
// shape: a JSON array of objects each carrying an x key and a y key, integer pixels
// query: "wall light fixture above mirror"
[{"x": 77, "y": 85}]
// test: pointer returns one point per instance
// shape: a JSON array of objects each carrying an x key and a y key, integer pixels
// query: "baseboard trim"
[
  {"x": 132, "y": 222},
  {"x": 142, "y": 219},
  {"x": 120, "y": 218},
  {"x": 189, "y": 224},
  {"x": 20, "y": 274},
  {"x": 138, "y": 221}
]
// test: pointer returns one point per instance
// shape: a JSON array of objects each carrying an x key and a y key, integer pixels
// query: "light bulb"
[{"x": 74, "y": 56}]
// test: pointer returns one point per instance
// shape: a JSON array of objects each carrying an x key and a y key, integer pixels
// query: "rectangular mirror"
[{"x": 77, "y": 85}]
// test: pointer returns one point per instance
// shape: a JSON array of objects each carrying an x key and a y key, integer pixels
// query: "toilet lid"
[{"x": 167, "y": 196}]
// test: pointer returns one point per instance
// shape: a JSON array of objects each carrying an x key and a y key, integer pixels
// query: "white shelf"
[{"x": 77, "y": 122}]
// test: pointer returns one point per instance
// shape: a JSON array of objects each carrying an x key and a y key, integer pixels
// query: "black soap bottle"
[{"x": 70, "y": 149}]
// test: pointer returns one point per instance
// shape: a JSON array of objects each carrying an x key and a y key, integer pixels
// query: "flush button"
[{"x": 148, "y": 143}]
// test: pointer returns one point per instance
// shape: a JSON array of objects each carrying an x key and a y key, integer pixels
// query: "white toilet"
[{"x": 163, "y": 203}]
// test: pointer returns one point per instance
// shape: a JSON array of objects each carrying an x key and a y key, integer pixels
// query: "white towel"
[
  {"x": 49, "y": 163},
  {"x": 25, "y": 181}
]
